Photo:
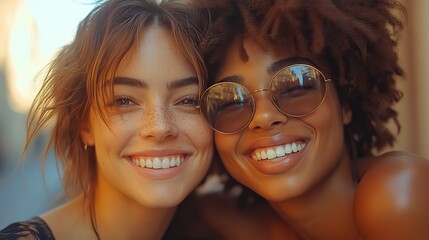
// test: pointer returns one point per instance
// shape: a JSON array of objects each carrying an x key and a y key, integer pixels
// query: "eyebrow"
[
  {"x": 183, "y": 82},
  {"x": 129, "y": 82},
  {"x": 133, "y": 82}
]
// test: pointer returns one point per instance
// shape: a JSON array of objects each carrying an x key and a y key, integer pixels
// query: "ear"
[
  {"x": 347, "y": 113},
  {"x": 86, "y": 132}
]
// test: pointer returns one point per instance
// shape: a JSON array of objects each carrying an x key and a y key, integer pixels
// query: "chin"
[
  {"x": 163, "y": 202},
  {"x": 277, "y": 193},
  {"x": 166, "y": 198},
  {"x": 273, "y": 197}
]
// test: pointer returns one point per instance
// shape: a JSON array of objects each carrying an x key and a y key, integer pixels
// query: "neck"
[
  {"x": 318, "y": 213},
  {"x": 120, "y": 217},
  {"x": 132, "y": 223}
]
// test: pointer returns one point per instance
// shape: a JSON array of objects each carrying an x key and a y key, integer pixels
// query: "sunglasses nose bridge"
[{"x": 261, "y": 90}]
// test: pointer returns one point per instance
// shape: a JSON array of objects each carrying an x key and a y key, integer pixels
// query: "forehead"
[
  {"x": 258, "y": 55},
  {"x": 262, "y": 57},
  {"x": 156, "y": 55}
]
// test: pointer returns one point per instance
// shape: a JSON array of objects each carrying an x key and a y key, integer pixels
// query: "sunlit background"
[{"x": 31, "y": 32}]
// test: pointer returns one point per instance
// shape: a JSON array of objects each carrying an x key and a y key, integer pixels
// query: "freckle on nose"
[{"x": 154, "y": 117}]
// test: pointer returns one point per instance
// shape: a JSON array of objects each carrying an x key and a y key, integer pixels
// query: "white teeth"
[
  {"x": 276, "y": 152},
  {"x": 158, "y": 163},
  {"x": 173, "y": 162},
  {"x": 271, "y": 154},
  {"x": 280, "y": 151},
  {"x": 149, "y": 163},
  {"x": 165, "y": 163},
  {"x": 294, "y": 147},
  {"x": 288, "y": 149}
]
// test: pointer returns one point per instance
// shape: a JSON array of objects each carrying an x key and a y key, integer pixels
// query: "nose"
[
  {"x": 158, "y": 124},
  {"x": 267, "y": 116}
]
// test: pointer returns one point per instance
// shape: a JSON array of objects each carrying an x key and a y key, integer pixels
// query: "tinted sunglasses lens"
[
  {"x": 228, "y": 107},
  {"x": 298, "y": 89}
]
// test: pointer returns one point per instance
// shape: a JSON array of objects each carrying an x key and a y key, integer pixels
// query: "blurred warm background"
[{"x": 31, "y": 31}]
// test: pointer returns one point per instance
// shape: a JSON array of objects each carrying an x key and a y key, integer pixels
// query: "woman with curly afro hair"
[{"x": 301, "y": 94}]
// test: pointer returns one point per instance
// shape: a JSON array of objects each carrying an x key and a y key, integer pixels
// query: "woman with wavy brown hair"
[
  {"x": 121, "y": 100},
  {"x": 301, "y": 94}
]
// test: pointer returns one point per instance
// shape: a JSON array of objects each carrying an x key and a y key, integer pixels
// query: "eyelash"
[
  {"x": 185, "y": 101},
  {"x": 119, "y": 101},
  {"x": 126, "y": 101}
]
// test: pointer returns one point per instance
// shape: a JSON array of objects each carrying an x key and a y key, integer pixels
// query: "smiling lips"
[
  {"x": 277, "y": 151},
  {"x": 158, "y": 162}
]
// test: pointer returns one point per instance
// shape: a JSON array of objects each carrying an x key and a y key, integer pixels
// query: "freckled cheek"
[
  {"x": 116, "y": 134},
  {"x": 195, "y": 127},
  {"x": 125, "y": 126}
]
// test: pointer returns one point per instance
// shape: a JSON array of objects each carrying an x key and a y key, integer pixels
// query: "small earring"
[{"x": 85, "y": 147}]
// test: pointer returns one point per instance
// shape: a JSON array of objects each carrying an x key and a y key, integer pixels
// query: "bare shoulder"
[
  {"x": 392, "y": 198},
  {"x": 67, "y": 218}
]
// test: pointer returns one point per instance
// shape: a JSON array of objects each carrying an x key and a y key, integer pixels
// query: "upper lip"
[{"x": 275, "y": 140}]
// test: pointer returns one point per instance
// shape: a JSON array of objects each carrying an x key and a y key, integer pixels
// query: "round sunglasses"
[{"x": 296, "y": 90}]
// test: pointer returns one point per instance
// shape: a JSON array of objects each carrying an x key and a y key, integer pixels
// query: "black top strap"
[{"x": 33, "y": 229}]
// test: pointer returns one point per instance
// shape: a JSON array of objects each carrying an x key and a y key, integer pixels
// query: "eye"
[
  {"x": 123, "y": 101},
  {"x": 288, "y": 87},
  {"x": 229, "y": 106},
  {"x": 188, "y": 101},
  {"x": 296, "y": 88}
]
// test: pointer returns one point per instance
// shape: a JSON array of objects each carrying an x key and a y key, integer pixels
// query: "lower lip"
[
  {"x": 281, "y": 164},
  {"x": 160, "y": 173}
]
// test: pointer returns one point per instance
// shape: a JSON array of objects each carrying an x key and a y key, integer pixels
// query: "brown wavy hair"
[
  {"x": 356, "y": 38},
  {"x": 76, "y": 78}
]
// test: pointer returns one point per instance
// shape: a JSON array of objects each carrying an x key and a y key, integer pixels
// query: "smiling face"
[
  {"x": 155, "y": 147},
  {"x": 277, "y": 156}
]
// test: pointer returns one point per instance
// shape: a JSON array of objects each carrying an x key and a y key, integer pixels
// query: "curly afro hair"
[{"x": 357, "y": 39}]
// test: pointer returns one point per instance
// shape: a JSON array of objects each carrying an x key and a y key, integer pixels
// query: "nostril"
[{"x": 276, "y": 123}]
